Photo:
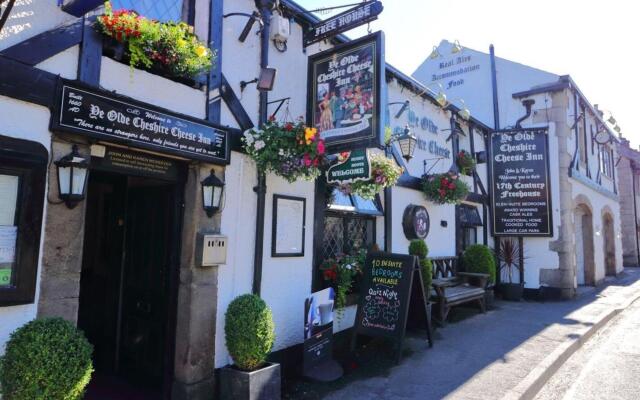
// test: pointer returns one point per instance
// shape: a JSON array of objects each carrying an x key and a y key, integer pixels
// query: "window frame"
[
  {"x": 29, "y": 161},
  {"x": 187, "y": 12}
]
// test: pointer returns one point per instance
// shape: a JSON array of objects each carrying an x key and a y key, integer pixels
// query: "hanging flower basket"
[
  {"x": 170, "y": 48},
  {"x": 445, "y": 188},
  {"x": 290, "y": 150},
  {"x": 466, "y": 162},
  {"x": 384, "y": 173}
]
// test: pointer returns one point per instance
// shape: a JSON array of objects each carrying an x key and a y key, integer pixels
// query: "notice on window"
[
  {"x": 8, "y": 236},
  {"x": 8, "y": 198}
]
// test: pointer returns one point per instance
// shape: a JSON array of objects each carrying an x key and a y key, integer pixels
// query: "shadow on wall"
[{"x": 29, "y": 18}]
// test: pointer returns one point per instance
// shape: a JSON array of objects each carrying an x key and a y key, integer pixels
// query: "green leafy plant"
[
  {"x": 342, "y": 272},
  {"x": 169, "y": 46},
  {"x": 418, "y": 247},
  {"x": 290, "y": 150},
  {"x": 46, "y": 359},
  {"x": 479, "y": 258},
  {"x": 384, "y": 173},
  {"x": 444, "y": 188},
  {"x": 466, "y": 162},
  {"x": 249, "y": 331}
]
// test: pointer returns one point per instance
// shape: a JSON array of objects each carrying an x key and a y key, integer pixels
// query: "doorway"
[
  {"x": 128, "y": 284},
  {"x": 585, "y": 267},
  {"x": 609, "y": 245}
]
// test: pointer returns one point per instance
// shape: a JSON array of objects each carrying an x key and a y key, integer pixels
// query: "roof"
[{"x": 302, "y": 15}]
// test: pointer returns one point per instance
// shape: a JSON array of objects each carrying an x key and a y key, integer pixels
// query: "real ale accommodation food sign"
[
  {"x": 520, "y": 184},
  {"x": 344, "y": 93}
]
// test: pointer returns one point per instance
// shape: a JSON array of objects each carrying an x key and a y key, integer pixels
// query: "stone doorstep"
[{"x": 529, "y": 387}]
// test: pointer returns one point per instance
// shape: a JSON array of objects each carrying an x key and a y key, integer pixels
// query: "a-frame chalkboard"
[{"x": 392, "y": 284}]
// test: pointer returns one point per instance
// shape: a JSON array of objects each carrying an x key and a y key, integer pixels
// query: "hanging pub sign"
[
  {"x": 520, "y": 184},
  {"x": 351, "y": 166},
  {"x": 392, "y": 285},
  {"x": 352, "y": 18},
  {"x": 344, "y": 93},
  {"x": 103, "y": 115}
]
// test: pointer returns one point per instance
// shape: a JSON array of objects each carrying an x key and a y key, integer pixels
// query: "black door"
[{"x": 126, "y": 289}]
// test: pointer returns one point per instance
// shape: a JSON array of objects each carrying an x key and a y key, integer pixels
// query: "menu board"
[
  {"x": 102, "y": 115},
  {"x": 520, "y": 184},
  {"x": 385, "y": 294},
  {"x": 344, "y": 93}
]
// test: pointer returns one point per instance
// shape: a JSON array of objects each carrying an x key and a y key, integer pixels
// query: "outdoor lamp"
[
  {"x": 264, "y": 81},
  {"x": 464, "y": 112},
  {"x": 407, "y": 142},
  {"x": 212, "y": 188},
  {"x": 440, "y": 97},
  {"x": 434, "y": 53},
  {"x": 457, "y": 48},
  {"x": 72, "y": 177}
]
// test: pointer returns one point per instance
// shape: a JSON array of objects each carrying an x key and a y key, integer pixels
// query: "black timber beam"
[
  {"x": 232, "y": 101},
  {"x": 215, "y": 74},
  {"x": 46, "y": 44},
  {"x": 27, "y": 83},
  {"x": 81, "y": 7},
  {"x": 90, "y": 58}
]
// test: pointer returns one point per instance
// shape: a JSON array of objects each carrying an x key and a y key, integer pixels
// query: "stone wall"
[{"x": 628, "y": 215}]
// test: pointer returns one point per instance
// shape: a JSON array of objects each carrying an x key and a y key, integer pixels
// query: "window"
[
  {"x": 161, "y": 10},
  {"x": 22, "y": 181},
  {"x": 606, "y": 161},
  {"x": 469, "y": 220},
  {"x": 345, "y": 233},
  {"x": 469, "y": 236}
]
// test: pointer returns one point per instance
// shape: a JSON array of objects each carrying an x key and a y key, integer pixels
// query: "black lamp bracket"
[{"x": 253, "y": 17}]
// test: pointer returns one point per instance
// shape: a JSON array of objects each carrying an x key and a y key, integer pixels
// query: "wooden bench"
[{"x": 451, "y": 287}]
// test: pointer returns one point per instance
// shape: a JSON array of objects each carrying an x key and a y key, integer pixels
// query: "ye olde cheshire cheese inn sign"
[{"x": 102, "y": 116}]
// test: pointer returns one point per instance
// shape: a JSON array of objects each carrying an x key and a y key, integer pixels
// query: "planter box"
[
  {"x": 511, "y": 291},
  {"x": 262, "y": 384}
]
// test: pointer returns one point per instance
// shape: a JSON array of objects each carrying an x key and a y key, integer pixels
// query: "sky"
[{"x": 596, "y": 42}]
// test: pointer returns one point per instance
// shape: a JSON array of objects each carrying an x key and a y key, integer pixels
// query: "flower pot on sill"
[
  {"x": 261, "y": 384},
  {"x": 511, "y": 291}
]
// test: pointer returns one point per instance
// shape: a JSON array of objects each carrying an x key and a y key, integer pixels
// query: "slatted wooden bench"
[{"x": 451, "y": 287}]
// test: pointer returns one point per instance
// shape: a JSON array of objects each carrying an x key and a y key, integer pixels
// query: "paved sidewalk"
[{"x": 507, "y": 353}]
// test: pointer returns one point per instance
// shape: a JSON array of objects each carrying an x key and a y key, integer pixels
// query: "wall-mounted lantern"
[
  {"x": 72, "y": 172},
  {"x": 456, "y": 48},
  {"x": 407, "y": 143},
  {"x": 264, "y": 81},
  {"x": 212, "y": 188}
]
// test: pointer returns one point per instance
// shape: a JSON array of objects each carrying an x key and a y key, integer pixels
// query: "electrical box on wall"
[
  {"x": 211, "y": 249},
  {"x": 280, "y": 28}
]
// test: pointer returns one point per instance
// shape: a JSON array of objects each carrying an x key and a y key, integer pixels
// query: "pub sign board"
[
  {"x": 103, "y": 115},
  {"x": 350, "y": 166},
  {"x": 344, "y": 93},
  {"x": 520, "y": 182},
  {"x": 352, "y": 18}
]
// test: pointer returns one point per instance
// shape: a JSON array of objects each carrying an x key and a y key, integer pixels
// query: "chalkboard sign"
[
  {"x": 391, "y": 283},
  {"x": 103, "y": 115},
  {"x": 520, "y": 184}
]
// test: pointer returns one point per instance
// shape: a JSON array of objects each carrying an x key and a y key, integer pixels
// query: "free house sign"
[{"x": 103, "y": 115}]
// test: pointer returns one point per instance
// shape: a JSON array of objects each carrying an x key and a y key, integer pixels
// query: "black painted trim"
[
  {"x": 27, "y": 83},
  {"x": 46, "y": 45},
  {"x": 274, "y": 224},
  {"x": 215, "y": 78},
  {"x": 235, "y": 106},
  {"x": 90, "y": 59},
  {"x": 81, "y": 7}
]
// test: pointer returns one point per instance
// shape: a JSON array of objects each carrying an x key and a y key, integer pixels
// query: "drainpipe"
[
  {"x": 265, "y": 7},
  {"x": 494, "y": 87}
]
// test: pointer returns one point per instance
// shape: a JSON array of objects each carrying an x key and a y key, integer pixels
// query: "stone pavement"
[{"x": 508, "y": 353}]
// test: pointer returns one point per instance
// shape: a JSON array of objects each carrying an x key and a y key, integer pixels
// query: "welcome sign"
[
  {"x": 351, "y": 166},
  {"x": 105, "y": 116},
  {"x": 344, "y": 93}
]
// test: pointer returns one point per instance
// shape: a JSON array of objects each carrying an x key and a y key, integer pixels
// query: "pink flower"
[
  {"x": 320, "y": 147},
  {"x": 307, "y": 160}
]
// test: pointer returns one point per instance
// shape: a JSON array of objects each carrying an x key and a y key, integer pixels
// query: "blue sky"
[{"x": 596, "y": 42}]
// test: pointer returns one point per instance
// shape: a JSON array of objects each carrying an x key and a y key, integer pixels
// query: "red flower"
[
  {"x": 316, "y": 161},
  {"x": 272, "y": 118},
  {"x": 307, "y": 160},
  {"x": 288, "y": 126},
  {"x": 442, "y": 192},
  {"x": 452, "y": 186},
  {"x": 320, "y": 147}
]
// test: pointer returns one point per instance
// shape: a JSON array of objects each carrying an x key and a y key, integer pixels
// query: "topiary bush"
[
  {"x": 418, "y": 247},
  {"x": 249, "y": 331},
  {"x": 479, "y": 258},
  {"x": 46, "y": 359}
]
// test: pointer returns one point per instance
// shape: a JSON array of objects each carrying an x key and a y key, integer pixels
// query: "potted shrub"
[
  {"x": 508, "y": 260},
  {"x": 418, "y": 247},
  {"x": 342, "y": 273},
  {"x": 46, "y": 359},
  {"x": 444, "y": 188},
  {"x": 249, "y": 334},
  {"x": 479, "y": 258}
]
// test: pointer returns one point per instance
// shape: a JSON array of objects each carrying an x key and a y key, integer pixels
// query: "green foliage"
[
  {"x": 170, "y": 46},
  {"x": 249, "y": 331},
  {"x": 384, "y": 173},
  {"x": 290, "y": 150},
  {"x": 341, "y": 273},
  {"x": 46, "y": 359},
  {"x": 418, "y": 247},
  {"x": 445, "y": 188},
  {"x": 479, "y": 258},
  {"x": 466, "y": 162}
]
